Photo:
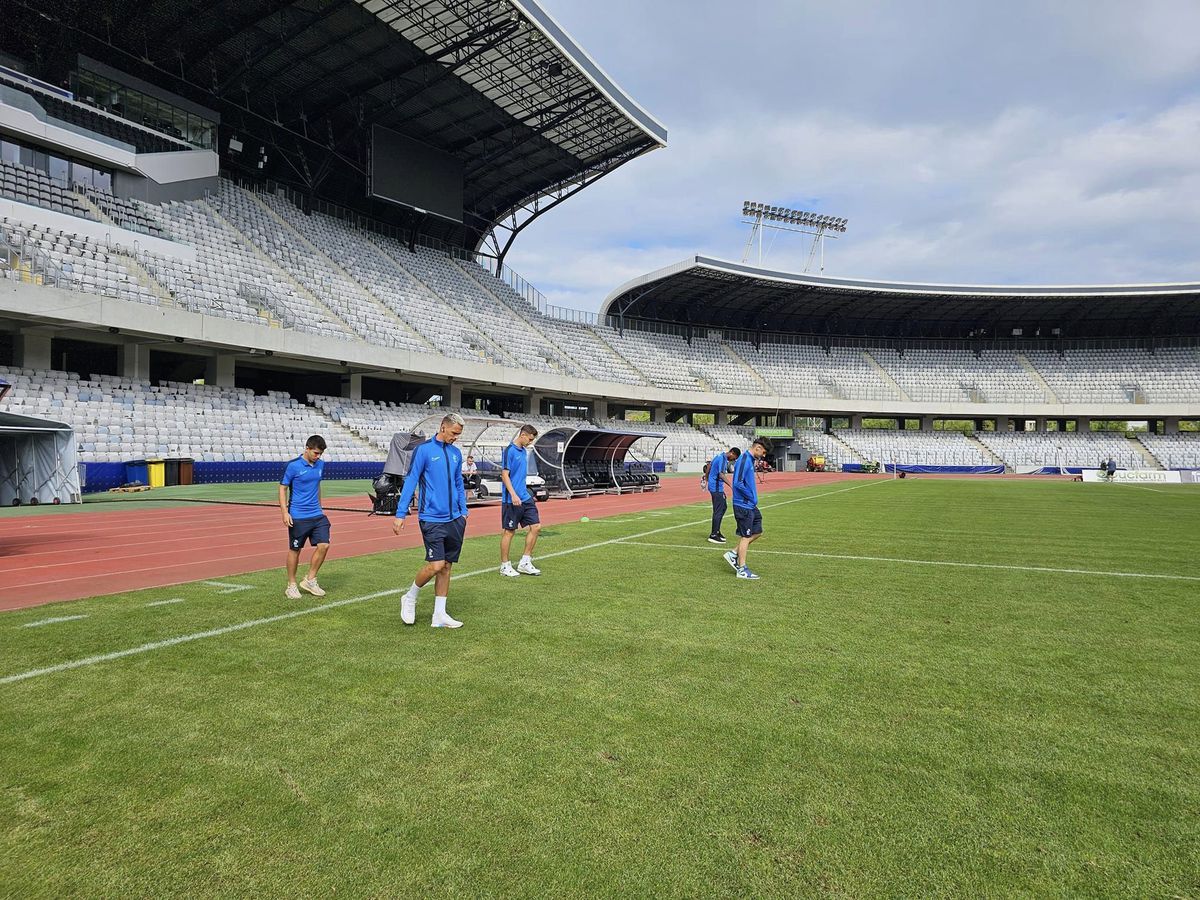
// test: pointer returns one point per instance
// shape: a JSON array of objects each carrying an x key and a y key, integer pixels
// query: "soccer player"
[
  {"x": 517, "y": 507},
  {"x": 716, "y": 489},
  {"x": 745, "y": 508},
  {"x": 303, "y": 516},
  {"x": 436, "y": 469}
]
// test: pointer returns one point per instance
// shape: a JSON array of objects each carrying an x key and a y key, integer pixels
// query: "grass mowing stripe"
[
  {"x": 241, "y": 626},
  {"x": 928, "y": 562}
]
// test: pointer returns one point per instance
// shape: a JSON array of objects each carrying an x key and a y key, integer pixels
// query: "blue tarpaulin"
[{"x": 102, "y": 476}]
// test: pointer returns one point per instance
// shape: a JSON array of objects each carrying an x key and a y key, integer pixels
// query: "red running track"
[{"x": 92, "y": 553}]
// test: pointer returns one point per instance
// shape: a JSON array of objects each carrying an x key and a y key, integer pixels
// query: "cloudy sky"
[{"x": 1016, "y": 142}]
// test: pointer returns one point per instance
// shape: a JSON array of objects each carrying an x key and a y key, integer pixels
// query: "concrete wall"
[
  {"x": 154, "y": 177},
  {"x": 178, "y": 166},
  {"x": 139, "y": 187},
  {"x": 22, "y": 122}
]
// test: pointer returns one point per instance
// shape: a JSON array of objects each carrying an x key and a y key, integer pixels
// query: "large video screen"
[{"x": 414, "y": 174}]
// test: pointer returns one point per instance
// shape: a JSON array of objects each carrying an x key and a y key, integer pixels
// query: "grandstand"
[{"x": 146, "y": 214}]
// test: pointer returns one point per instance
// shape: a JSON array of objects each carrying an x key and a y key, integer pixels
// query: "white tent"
[{"x": 38, "y": 460}]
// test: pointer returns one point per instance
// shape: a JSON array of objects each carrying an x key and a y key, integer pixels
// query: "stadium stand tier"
[{"x": 260, "y": 259}]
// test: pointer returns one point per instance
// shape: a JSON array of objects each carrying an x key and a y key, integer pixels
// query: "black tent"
[{"x": 580, "y": 461}]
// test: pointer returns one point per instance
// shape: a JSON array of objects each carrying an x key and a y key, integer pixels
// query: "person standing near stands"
[
  {"x": 470, "y": 473},
  {"x": 745, "y": 508},
  {"x": 517, "y": 506},
  {"x": 300, "y": 503},
  {"x": 442, "y": 514},
  {"x": 716, "y": 490}
]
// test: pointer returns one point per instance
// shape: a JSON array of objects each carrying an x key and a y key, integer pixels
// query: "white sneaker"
[
  {"x": 731, "y": 558},
  {"x": 444, "y": 621},
  {"x": 408, "y": 609},
  {"x": 292, "y": 592},
  {"x": 528, "y": 568},
  {"x": 507, "y": 570},
  {"x": 312, "y": 587}
]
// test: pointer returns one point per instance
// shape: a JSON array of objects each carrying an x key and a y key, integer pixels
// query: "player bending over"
[
  {"x": 745, "y": 508},
  {"x": 517, "y": 507}
]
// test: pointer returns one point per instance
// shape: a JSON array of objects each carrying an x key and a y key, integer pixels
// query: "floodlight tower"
[{"x": 760, "y": 216}]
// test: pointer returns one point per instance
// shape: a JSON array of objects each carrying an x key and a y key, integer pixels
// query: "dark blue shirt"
[
  {"x": 745, "y": 489},
  {"x": 516, "y": 461},
  {"x": 437, "y": 469},
  {"x": 304, "y": 478}
]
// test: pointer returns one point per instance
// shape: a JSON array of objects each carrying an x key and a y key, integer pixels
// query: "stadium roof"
[
  {"x": 702, "y": 291},
  {"x": 498, "y": 83}
]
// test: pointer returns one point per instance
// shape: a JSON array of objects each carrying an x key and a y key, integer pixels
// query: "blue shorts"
[
  {"x": 444, "y": 540},
  {"x": 749, "y": 520},
  {"x": 315, "y": 530},
  {"x": 513, "y": 517}
]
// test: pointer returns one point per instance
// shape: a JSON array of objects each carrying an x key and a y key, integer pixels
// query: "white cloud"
[{"x": 1060, "y": 149}]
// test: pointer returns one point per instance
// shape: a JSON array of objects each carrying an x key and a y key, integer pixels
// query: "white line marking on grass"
[
  {"x": 41, "y": 622},
  {"x": 927, "y": 562},
  {"x": 165, "y": 602},
  {"x": 293, "y": 614},
  {"x": 229, "y": 588}
]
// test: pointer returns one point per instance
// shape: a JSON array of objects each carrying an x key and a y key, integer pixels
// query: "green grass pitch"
[{"x": 637, "y": 722}]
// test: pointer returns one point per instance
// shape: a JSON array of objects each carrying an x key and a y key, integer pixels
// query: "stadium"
[{"x": 966, "y": 667}]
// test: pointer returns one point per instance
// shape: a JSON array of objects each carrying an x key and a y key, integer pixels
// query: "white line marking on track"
[
  {"x": 52, "y": 621},
  {"x": 928, "y": 562},
  {"x": 293, "y": 614},
  {"x": 229, "y": 588},
  {"x": 165, "y": 602}
]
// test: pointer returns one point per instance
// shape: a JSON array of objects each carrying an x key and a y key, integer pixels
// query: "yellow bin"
[{"x": 158, "y": 472}]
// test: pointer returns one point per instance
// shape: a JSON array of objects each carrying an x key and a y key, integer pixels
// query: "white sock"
[
  {"x": 413, "y": 590},
  {"x": 526, "y": 559},
  {"x": 439, "y": 606},
  {"x": 507, "y": 564}
]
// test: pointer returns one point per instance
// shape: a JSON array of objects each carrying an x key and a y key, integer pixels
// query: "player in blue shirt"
[
  {"x": 745, "y": 508},
  {"x": 517, "y": 507},
  {"x": 300, "y": 502},
  {"x": 436, "y": 468},
  {"x": 716, "y": 489}
]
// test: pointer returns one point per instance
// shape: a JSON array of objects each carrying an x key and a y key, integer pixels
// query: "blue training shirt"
[
  {"x": 745, "y": 489},
  {"x": 716, "y": 468},
  {"x": 305, "y": 481},
  {"x": 516, "y": 461},
  {"x": 437, "y": 469}
]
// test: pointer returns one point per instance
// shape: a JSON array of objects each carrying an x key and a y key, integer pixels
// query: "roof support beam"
[
  {"x": 286, "y": 36},
  {"x": 230, "y": 28},
  {"x": 487, "y": 160},
  {"x": 479, "y": 42}
]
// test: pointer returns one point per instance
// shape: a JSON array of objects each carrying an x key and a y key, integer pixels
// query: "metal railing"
[{"x": 27, "y": 263}]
